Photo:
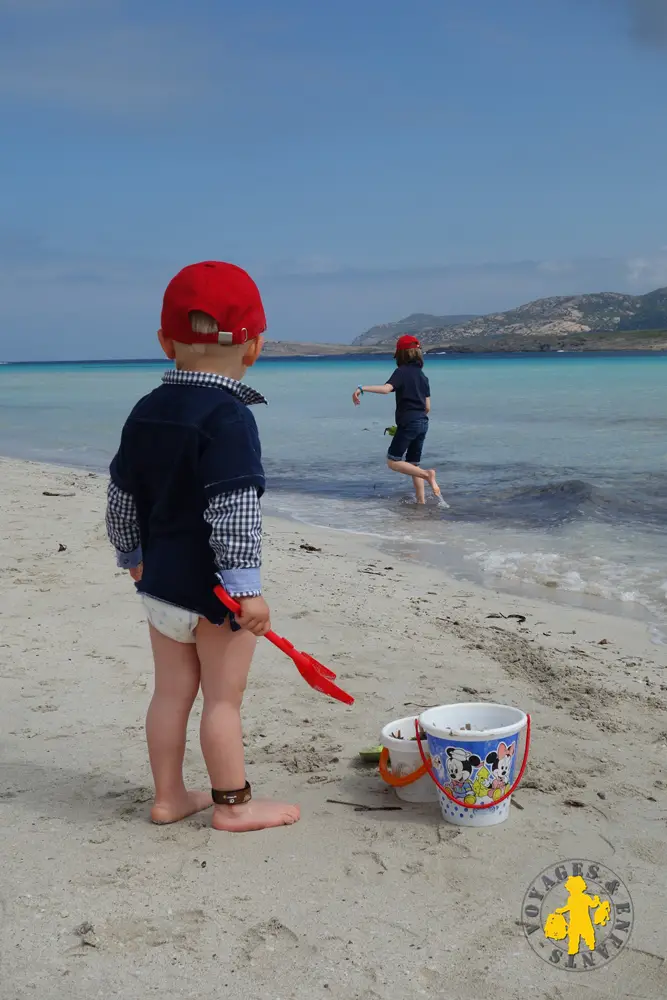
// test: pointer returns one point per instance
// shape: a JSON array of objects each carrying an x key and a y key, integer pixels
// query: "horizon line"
[{"x": 155, "y": 361}]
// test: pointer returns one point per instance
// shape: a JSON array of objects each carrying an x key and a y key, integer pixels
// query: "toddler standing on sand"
[
  {"x": 413, "y": 405},
  {"x": 183, "y": 514}
]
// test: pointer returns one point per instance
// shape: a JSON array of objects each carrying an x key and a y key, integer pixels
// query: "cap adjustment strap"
[{"x": 228, "y": 338}]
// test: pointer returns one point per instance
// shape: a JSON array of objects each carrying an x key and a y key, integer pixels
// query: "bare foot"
[
  {"x": 430, "y": 474},
  {"x": 258, "y": 814},
  {"x": 170, "y": 811}
]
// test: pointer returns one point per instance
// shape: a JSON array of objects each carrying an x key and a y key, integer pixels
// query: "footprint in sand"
[
  {"x": 180, "y": 929},
  {"x": 272, "y": 938},
  {"x": 367, "y": 866}
]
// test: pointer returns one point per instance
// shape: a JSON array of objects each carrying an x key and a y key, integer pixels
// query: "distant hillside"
[
  {"x": 557, "y": 317},
  {"x": 599, "y": 340},
  {"x": 415, "y": 323}
]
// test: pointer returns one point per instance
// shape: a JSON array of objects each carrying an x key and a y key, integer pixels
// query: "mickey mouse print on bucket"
[
  {"x": 500, "y": 763},
  {"x": 460, "y": 766}
]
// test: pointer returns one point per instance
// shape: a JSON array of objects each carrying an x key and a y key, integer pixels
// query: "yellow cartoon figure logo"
[
  {"x": 577, "y": 915},
  {"x": 577, "y": 926}
]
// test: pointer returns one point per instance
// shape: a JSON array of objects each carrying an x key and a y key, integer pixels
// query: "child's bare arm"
[
  {"x": 381, "y": 390},
  {"x": 428, "y": 404}
]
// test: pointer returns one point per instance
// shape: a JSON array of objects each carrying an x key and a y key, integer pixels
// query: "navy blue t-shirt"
[
  {"x": 412, "y": 390},
  {"x": 181, "y": 446}
]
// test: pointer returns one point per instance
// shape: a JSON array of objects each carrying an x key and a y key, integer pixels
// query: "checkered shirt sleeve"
[
  {"x": 236, "y": 539},
  {"x": 123, "y": 527}
]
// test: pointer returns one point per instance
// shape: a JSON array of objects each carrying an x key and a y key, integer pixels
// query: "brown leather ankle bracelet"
[{"x": 232, "y": 798}]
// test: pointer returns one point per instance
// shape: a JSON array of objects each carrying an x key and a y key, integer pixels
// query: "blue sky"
[{"x": 364, "y": 159}]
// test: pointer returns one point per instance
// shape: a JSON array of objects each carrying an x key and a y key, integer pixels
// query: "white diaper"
[{"x": 176, "y": 623}]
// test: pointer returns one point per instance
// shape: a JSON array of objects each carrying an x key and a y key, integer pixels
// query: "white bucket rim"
[
  {"x": 470, "y": 736},
  {"x": 405, "y": 746}
]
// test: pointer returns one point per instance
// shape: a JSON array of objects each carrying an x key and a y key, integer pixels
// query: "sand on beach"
[{"x": 95, "y": 901}]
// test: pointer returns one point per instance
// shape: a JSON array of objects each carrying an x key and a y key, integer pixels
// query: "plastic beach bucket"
[
  {"x": 408, "y": 776},
  {"x": 473, "y": 750}
]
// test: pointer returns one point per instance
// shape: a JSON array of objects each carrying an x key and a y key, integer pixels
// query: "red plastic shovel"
[{"x": 313, "y": 672}]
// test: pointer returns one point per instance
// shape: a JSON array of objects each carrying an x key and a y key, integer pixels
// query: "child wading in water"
[
  {"x": 183, "y": 514},
  {"x": 413, "y": 404}
]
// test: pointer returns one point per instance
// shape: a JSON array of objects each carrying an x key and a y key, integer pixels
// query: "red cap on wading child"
[
  {"x": 406, "y": 342},
  {"x": 223, "y": 291}
]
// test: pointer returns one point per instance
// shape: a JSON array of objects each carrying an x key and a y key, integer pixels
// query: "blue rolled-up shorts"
[{"x": 408, "y": 441}]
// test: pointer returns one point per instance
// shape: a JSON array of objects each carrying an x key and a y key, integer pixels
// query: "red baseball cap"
[
  {"x": 407, "y": 341},
  {"x": 225, "y": 292}
]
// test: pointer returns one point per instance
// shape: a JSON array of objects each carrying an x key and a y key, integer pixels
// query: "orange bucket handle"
[{"x": 393, "y": 779}]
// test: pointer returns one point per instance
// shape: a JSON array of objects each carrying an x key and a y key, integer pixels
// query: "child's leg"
[
  {"x": 409, "y": 442},
  {"x": 225, "y": 658},
  {"x": 419, "y": 490},
  {"x": 408, "y": 469},
  {"x": 176, "y": 686}
]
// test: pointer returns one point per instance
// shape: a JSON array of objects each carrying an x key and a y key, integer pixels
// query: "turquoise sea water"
[{"x": 555, "y": 466}]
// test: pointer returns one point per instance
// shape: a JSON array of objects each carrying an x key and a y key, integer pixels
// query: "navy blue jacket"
[{"x": 181, "y": 446}]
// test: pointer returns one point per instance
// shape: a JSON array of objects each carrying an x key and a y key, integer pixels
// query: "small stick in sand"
[{"x": 360, "y": 807}]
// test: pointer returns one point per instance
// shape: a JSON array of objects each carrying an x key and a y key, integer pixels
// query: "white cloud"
[
  {"x": 313, "y": 264},
  {"x": 119, "y": 69},
  {"x": 49, "y": 6},
  {"x": 651, "y": 271},
  {"x": 25, "y": 10},
  {"x": 47, "y": 296},
  {"x": 555, "y": 266}
]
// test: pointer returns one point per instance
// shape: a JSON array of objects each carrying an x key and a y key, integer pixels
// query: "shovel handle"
[
  {"x": 235, "y": 607},
  {"x": 283, "y": 644},
  {"x": 320, "y": 679},
  {"x": 228, "y": 601}
]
